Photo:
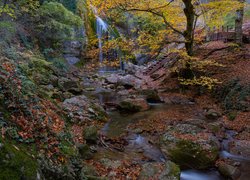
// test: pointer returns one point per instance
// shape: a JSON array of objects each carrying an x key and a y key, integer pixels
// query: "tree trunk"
[
  {"x": 238, "y": 25},
  {"x": 188, "y": 33}
]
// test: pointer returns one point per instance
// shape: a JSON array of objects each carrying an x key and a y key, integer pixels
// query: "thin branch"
[{"x": 157, "y": 14}]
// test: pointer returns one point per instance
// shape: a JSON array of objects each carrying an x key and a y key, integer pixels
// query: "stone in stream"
[
  {"x": 166, "y": 171},
  {"x": 133, "y": 105},
  {"x": 188, "y": 154},
  {"x": 199, "y": 154},
  {"x": 229, "y": 171}
]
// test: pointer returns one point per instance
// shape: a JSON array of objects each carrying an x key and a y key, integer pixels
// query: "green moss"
[
  {"x": 191, "y": 155},
  {"x": 15, "y": 163},
  {"x": 175, "y": 170},
  {"x": 100, "y": 115},
  {"x": 67, "y": 148}
]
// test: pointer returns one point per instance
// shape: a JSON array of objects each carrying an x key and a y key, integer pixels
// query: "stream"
[{"x": 139, "y": 147}]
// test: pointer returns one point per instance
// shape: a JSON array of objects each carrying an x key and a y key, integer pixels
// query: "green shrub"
[
  {"x": 233, "y": 95},
  {"x": 55, "y": 23}
]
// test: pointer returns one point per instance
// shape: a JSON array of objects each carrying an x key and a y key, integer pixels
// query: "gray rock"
[
  {"x": 212, "y": 114},
  {"x": 112, "y": 79},
  {"x": 229, "y": 171},
  {"x": 170, "y": 171},
  {"x": 130, "y": 81},
  {"x": 72, "y": 48},
  {"x": 133, "y": 105}
]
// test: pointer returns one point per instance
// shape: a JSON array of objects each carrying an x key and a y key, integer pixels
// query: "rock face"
[
  {"x": 72, "y": 51},
  {"x": 79, "y": 108},
  {"x": 170, "y": 171},
  {"x": 133, "y": 105}
]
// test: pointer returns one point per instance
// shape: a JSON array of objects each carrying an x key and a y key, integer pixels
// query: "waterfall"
[{"x": 101, "y": 27}]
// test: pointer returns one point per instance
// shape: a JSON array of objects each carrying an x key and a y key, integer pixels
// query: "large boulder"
[
  {"x": 133, "y": 105},
  {"x": 190, "y": 145},
  {"x": 130, "y": 81},
  {"x": 189, "y": 154}
]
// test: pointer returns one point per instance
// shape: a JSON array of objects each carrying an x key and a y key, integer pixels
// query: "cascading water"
[{"x": 101, "y": 27}]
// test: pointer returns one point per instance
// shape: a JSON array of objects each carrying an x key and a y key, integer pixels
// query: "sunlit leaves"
[{"x": 7, "y": 9}]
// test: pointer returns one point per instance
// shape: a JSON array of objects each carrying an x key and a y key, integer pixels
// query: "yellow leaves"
[
  {"x": 7, "y": 9},
  {"x": 216, "y": 11},
  {"x": 201, "y": 81}
]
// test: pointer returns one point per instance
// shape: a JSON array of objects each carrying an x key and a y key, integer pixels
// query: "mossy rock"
[
  {"x": 15, "y": 163},
  {"x": 91, "y": 134},
  {"x": 151, "y": 96},
  {"x": 100, "y": 113},
  {"x": 85, "y": 151},
  {"x": 128, "y": 107},
  {"x": 188, "y": 154}
]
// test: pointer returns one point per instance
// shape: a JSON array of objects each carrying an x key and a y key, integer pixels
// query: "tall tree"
[
  {"x": 179, "y": 16},
  {"x": 239, "y": 23}
]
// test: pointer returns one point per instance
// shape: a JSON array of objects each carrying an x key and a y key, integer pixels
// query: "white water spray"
[{"x": 101, "y": 27}]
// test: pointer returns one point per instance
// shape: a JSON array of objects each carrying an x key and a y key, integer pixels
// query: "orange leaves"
[
  {"x": 126, "y": 170},
  {"x": 8, "y": 67}
]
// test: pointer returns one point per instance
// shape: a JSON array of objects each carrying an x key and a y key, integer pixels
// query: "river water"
[{"x": 119, "y": 124}]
